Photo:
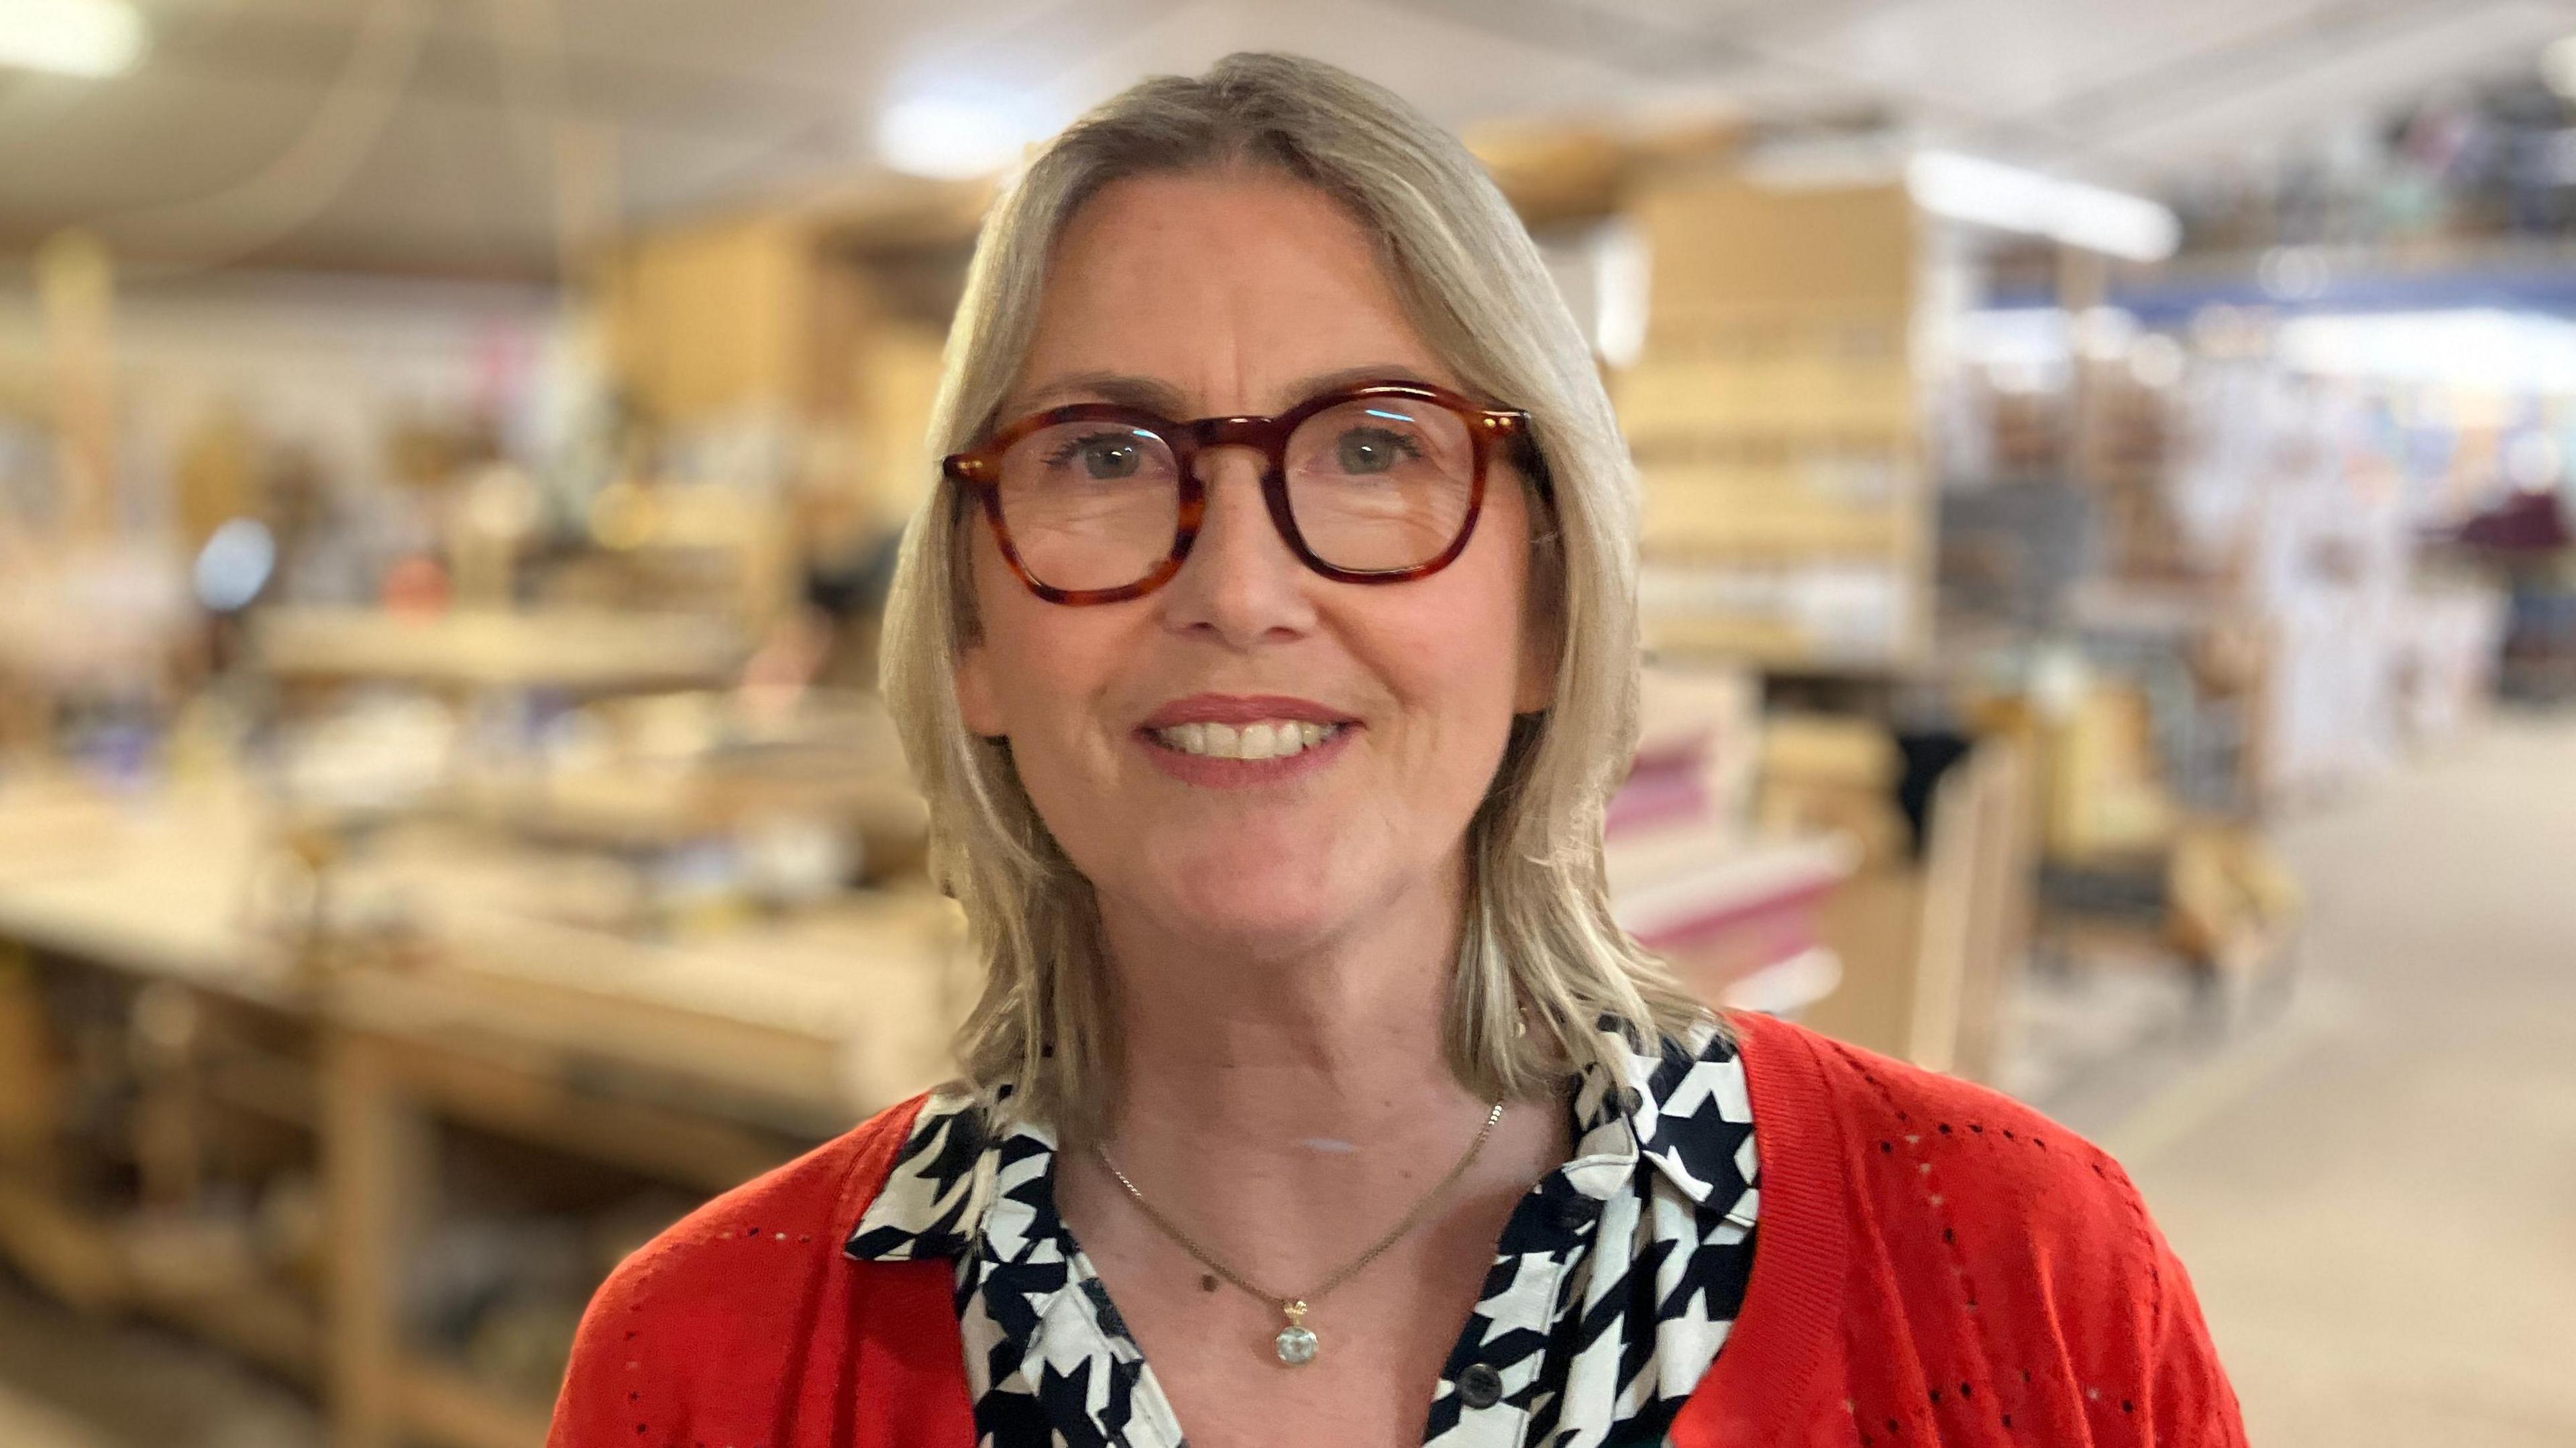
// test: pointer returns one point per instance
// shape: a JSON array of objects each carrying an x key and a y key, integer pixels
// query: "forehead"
[{"x": 1231, "y": 289}]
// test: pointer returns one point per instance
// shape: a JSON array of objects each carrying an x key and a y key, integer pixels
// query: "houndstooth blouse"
[{"x": 1613, "y": 1287}]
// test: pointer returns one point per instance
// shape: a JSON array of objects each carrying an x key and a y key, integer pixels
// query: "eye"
[
  {"x": 1373, "y": 450},
  {"x": 1104, "y": 456}
]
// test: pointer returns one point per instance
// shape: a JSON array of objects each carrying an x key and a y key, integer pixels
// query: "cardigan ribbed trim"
[{"x": 1792, "y": 1305}]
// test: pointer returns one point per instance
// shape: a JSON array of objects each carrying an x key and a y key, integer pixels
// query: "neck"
[
  {"x": 1331, "y": 1048},
  {"x": 1288, "y": 1103}
]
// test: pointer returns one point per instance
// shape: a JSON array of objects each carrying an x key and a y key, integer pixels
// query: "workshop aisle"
[{"x": 2376, "y": 1191}]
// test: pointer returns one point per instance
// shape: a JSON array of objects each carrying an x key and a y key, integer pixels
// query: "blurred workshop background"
[{"x": 2112, "y": 617}]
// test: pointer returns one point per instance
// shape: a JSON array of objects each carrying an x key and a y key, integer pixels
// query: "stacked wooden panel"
[{"x": 1776, "y": 426}]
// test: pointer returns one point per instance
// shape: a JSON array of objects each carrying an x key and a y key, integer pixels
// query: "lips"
[
  {"x": 1270, "y": 739},
  {"x": 1242, "y": 709},
  {"x": 1232, "y": 741}
]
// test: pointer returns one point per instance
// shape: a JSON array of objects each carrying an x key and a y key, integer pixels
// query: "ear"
[{"x": 977, "y": 702}]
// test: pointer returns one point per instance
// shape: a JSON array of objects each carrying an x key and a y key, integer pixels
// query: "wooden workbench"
[
  {"x": 155, "y": 889},
  {"x": 699, "y": 1061},
  {"x": 579, "y": 651},
  {"x": 157, "y": 883}
]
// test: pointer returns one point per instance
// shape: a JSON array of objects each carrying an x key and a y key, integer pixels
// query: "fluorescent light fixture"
[
  {"x": 2558, "y": 65},
  {"x": 90, "y": 38},
  {"x": 952, "y": 136},
  {"x": 2481, "y": 349},
  {"x": 2010, "y": 198}
]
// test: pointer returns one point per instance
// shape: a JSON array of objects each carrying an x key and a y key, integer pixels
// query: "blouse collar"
[{"x": 955, "y": 1168}]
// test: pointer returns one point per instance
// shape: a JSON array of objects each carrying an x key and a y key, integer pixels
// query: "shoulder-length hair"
[{"x": 1540, "y": 961}]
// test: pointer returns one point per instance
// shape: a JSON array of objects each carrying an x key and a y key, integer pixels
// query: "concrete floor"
[
  {"x": 71, "y": 1382},
  {"x": 2374, "y": 1188},
  {"x": 2375, "y": 1192}
]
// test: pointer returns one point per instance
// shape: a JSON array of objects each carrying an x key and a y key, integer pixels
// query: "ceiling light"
[
  {"x": 2010, "y": 198},
  {"x": 2514, "y": 353},
  {"x": 71, "y": 37},
  {"x": 953, "y": 137},
  {"x": 2558, "y": 65}
]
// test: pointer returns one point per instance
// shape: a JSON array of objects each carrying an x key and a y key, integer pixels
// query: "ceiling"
[{"x": 431, "y": 135}]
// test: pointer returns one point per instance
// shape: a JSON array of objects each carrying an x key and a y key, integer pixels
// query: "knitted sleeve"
[
  {"x": 2193, "y": 1403},
  {"x": 746, "y": 1324},
  {"x": 2009, "y": 1284}
]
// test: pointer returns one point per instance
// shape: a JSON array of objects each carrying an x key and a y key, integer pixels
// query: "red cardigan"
[{"x": 1935, "y": 1263}]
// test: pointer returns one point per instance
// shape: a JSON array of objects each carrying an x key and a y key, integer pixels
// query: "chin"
[{"x": 1263, "y": 905}]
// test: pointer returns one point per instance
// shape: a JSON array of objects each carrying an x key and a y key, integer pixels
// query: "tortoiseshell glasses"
[{"x": 1378, "y": 483}]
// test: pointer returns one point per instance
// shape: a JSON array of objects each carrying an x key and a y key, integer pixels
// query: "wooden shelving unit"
[{"x": 1776, "y": 428}]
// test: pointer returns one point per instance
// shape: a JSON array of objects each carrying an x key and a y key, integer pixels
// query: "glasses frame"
[{"x": 978, "y": 470}]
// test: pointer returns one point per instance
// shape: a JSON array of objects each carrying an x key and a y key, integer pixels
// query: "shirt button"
[
  {"x": 1573, "y": 1213},
  {"x": 1480, "y": 1386}
]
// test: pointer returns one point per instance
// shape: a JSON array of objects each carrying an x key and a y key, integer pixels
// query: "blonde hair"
[{"x": 1540, "y": 961}]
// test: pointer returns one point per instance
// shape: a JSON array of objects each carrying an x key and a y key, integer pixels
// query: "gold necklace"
[{"x": 1297, "y": 1343}]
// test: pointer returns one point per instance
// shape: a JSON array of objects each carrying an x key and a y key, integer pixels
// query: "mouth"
[
  {"x": 1261, "y": 739},
  {"x": 1211, "y": 738}
]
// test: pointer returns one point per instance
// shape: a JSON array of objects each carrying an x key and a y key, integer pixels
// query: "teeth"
[{"x": 1269, "y": 739}]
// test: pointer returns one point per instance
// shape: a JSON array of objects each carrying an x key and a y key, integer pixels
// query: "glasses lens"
[
  {"x": 1381, "y": 483},
  {"x": 1090, "y": 505}
]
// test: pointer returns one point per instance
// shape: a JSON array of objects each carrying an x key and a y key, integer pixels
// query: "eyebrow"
[{"x": 1154, "y": 395}]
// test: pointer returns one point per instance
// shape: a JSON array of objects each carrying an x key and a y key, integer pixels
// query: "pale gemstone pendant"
[{"x": 1297, "y": 1341}]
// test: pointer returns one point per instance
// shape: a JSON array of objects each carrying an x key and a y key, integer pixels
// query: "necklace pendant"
[{"x": 1296, "y": 1341}]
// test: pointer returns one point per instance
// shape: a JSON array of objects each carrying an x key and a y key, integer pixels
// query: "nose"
[{"x": 1240, "y": 585}]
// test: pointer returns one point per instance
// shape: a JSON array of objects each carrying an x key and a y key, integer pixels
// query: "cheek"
[
  {"x": 1039, "y": 661},
  {"x": 1464, "y": 682},
  {"x": 1459, "y": 649},
  {"x": 1043, "y": 669}
]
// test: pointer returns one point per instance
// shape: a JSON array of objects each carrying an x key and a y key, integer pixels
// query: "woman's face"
[{"x": 1219, "y": 294}]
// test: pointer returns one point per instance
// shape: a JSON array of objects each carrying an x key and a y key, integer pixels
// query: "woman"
[{"x": 1267, "y": 657}]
